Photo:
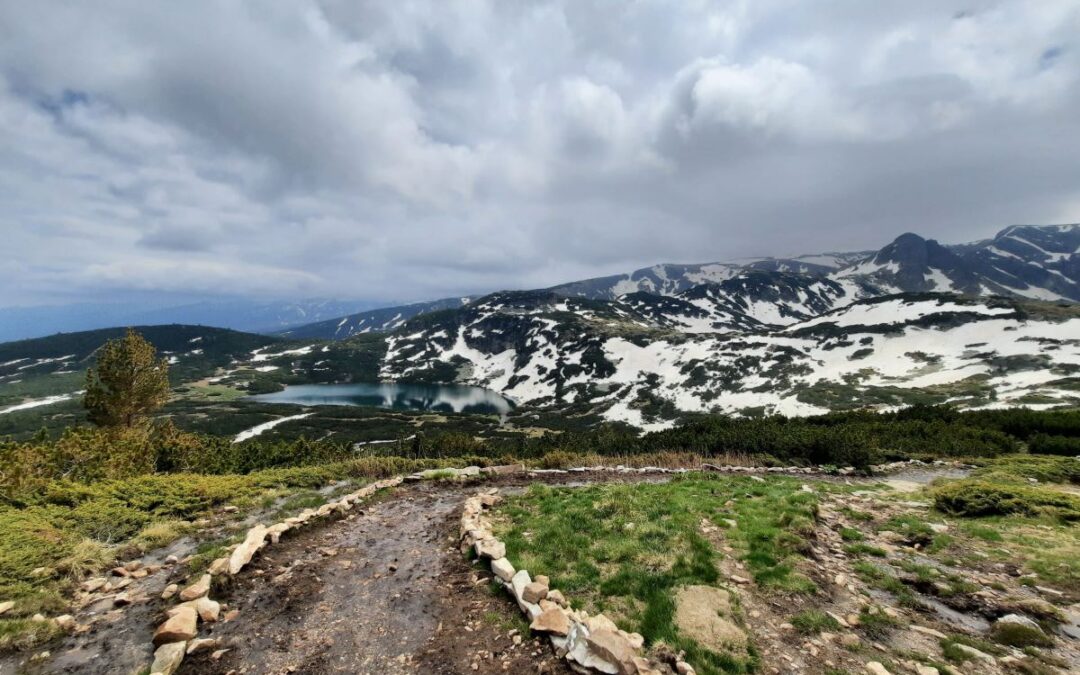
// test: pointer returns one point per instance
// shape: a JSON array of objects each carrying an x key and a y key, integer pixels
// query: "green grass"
[
  {"x": 625, "y": 549},
  {"x": 812, "y": 622}
]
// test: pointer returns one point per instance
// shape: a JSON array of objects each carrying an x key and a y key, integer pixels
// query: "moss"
[
  {"x": 974, "y": 498},
  {"x": 1019, "y": 635}
]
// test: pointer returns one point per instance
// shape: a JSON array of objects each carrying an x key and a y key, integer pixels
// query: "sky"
[{"x": 409, "y": 150}]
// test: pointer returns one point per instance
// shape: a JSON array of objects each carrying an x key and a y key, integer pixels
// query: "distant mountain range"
[
  {"x": 993, "y": 323},
  {"x": 19, "y": 323},
  {"x": 1023, "y": 261}
]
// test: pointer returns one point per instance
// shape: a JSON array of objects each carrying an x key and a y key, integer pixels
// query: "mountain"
[
  {"x": 1038, "y": 262},
  {"x": 600, "y": 357},
  {"x": 373, "y": 321},
  {"x": 55, "y": 365},
  {"x": 18, "y": 323}
]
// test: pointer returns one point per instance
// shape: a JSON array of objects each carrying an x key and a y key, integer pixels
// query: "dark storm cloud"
[{"x": 424, "y": 148}]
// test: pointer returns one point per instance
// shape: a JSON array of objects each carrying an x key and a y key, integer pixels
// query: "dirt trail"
[{"x": 385, "y": 591}]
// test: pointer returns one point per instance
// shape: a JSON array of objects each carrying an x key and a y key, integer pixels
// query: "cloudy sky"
[{"x": 416, "y": 149}]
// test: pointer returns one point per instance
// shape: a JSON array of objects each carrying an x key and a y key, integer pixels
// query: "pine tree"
[{"x": 128, "y": 383}]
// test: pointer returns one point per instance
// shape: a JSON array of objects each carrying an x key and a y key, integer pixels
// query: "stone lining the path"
[
  {"x": 891, "y": 467},
  {"x": 177, "y": 635},
  {"x": 589, "y": 644}
]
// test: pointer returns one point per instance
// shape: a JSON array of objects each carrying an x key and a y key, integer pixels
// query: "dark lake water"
[{"x": 432, "y": 397}]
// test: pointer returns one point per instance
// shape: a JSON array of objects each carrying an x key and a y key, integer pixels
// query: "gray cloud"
[{"x": 423, "y": 148}]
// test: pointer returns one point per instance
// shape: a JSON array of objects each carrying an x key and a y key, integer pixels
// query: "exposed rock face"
[
  {"x": 243, "y": 553},
  {"x": 180, "y": 627}
]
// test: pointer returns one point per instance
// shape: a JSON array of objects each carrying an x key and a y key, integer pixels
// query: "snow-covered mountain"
[
  {"x": 1022, "y": 261},
  {"x": 613, "y": 358},
  {"x": 373, "y": 321}
]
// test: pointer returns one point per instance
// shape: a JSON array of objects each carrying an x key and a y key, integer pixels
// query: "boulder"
[
  {"x": 196, "y": 590},
  {"x": 180, "y": 627},
  {"x": 9, "y": 605},
  {"x": 243, "y": 553},
  {"x": 169, "y": 591},
  {"x": 502, "y": 568},
  {"x": 1017, "y": 630},
  {"x": 167, "y": 658},
  {"x": 875, "y": 668}
]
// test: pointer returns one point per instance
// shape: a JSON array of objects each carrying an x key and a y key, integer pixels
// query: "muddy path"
[{"x": 384, "y": 591}]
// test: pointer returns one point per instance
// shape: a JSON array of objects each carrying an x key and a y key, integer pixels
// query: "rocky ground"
[{"x": 386, "y": 590}]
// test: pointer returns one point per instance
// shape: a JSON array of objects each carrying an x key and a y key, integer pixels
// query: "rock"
[
  {"x": 542, "y": 579},
  {"x": 171, "y": 560},
  {"x": 65, "y": 622},
  {"x": 504, "y": 469},
  {"x": 243, "y": 553},
  {"x": 558, "y": 598},
  {"x": 180, "y": 627},
  {"x": 614, "y": 649},
  {"x": 197, "y": 589},
  {"x": 121, "y": 600},
  {"x": 133, "y": 565},
  {"x": 202, "y": 644},
  {"x": 92, "y": 585},
  {"x": 1016, "y": 630},
  {"x": 229, "y": 508},
  {"x": 219, "y": 566},
  {"x": 275, "y": 531},
  {"x": 701, "y": 613},
  {"x": 502, "y": 568},
  {"x": 207, "y": 609},
  {"x": 169, "y": 591},
  {"x": 875, "y": 668},
  {"x": 684, "y": 668},
  {"x": 534, "y": 592},
  {"x": 972, "y": 652},
  {"x": 552, "y": 621},
  {"x": 120, "y": 572},
  {"x": 6, "y": 606},
  {"x": 928, "y": 631},
  {"x": 920, "y": 669},
  {"x": 490, "y": 548},
  {"x": 850, "y": 640},
  {"x": 167, "y": 658},
  {"x": 735, "y": 578}
]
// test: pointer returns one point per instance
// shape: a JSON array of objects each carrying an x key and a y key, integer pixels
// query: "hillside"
[{"x": 615, "y": 357}]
